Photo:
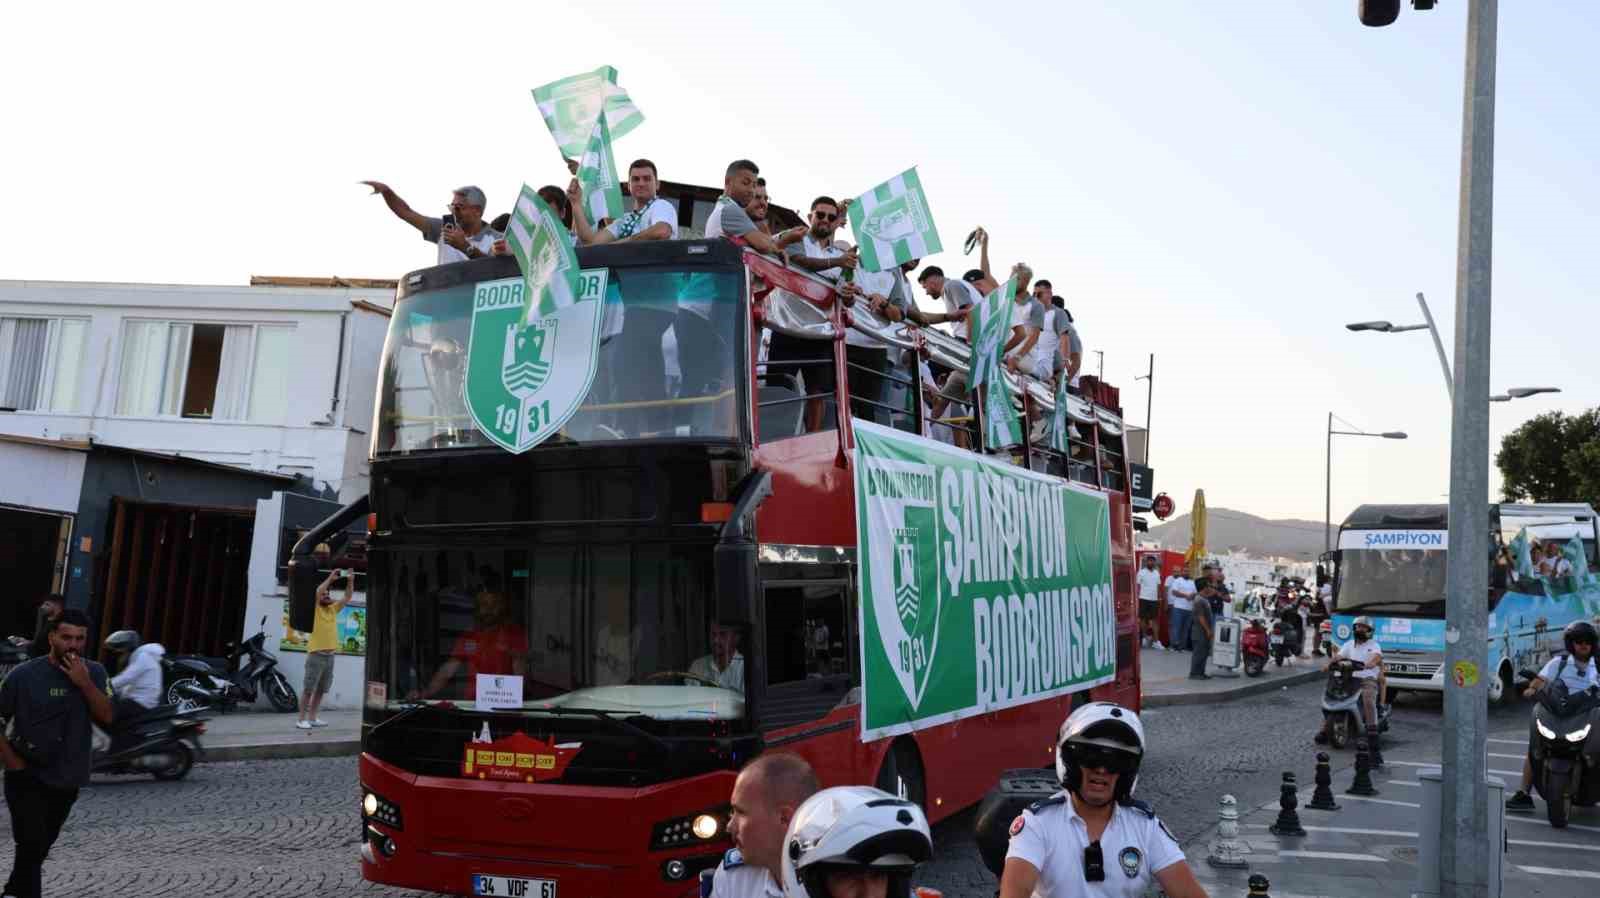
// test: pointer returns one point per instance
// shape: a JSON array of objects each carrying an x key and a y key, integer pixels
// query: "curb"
[
  {"x": 1254, "y": 687},
  {"x": 281, "y": 750}
]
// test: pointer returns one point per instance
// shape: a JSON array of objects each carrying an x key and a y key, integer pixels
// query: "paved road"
[{"x": 289, "y": 828}]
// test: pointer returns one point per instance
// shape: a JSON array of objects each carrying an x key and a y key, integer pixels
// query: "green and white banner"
[
  {"x": 892, "y": 223},
  {"x": 571, "y": 106},
  {"x": 549, "y": 264},
  {"x": 1059, "y": 419},
  {"x": 983, "y": 585},
  {"x": 597, "y": 173},
  {"x": 991, "y": 326},
  {"x": 525, "y": 380}
]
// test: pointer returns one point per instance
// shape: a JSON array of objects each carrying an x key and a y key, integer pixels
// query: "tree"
[{"x": 1553, "y": 458}]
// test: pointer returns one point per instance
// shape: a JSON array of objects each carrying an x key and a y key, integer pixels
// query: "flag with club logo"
[
  {"x": 571, "y": 105},
  {"x": 892, "y": 223},
  {"x": 597, "y": 173},
  {"x": 549, "y": 266},
  {"x": 990, "y": 324}
]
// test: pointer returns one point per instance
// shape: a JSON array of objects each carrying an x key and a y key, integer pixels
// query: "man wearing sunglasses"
[{"x": 1094, "y": 838}]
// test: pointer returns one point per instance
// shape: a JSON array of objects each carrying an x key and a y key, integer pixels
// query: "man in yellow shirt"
[{"x": 324, "y": 643}]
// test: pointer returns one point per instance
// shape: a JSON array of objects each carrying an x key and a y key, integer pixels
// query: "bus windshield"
[
  {"x": 1391, "y": 582},
  {"x": 666, "y": 363},
  {"x": 611, "y": 628}
]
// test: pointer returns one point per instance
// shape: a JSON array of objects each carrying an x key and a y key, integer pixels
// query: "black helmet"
[
  {"x": 1579, "y": 631},
  {"x": 123, "y": 641}
]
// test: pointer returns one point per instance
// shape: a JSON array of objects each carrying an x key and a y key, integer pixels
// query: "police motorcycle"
[
  {"x": 195, "y": 681},
  {"x": 163, "y": 741},
  {"x": 1341, "y": 704},
  {"x": 1564, "y": 745}
]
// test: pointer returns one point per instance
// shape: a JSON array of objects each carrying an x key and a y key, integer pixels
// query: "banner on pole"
[
  {"x": 571, "y": 105},
  {"x": 982, "y": 585},
  {"x": 892, "y": 223}
]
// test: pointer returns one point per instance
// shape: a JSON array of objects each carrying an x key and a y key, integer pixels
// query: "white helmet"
[
  {"x": 1106, "y": 725},
  {"x": 853, "y": 828}
]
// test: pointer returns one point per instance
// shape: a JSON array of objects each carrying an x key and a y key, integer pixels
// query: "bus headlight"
[
  {"x": 369, "y": 805},
  {"x": 705, "y": 826},
  {"x": 1580, "y": 735},
  {"x": 376, "y": 807}
]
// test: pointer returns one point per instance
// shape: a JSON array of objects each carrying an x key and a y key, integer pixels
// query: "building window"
[
  {"x": 41, "y": 363},
  {"x": 226, "y": 372}
]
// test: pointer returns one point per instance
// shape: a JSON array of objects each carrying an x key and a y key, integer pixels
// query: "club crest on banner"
[
  {"x": 907, "y": 568},
  {"x": 524, "y": 382}
]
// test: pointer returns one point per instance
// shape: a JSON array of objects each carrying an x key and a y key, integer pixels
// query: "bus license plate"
[{"x": 513, "y": 886}]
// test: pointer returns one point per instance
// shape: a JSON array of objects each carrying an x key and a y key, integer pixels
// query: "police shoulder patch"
[
  {"x": 732, "y": 859},
  {"x": 1142, "y": 807},
  {"x": 1018, "y": 824}
]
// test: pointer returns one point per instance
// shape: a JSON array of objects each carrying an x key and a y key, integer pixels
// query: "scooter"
[
  {"x": 1285, "y": 637},
  {"x": 1564, "y": 748},
  {"x": 222, "y": 683},
  {"x": 163, "y": 742},
  {"x": 1341, "y": 705},
  {"x": 1253, "y": 644}
]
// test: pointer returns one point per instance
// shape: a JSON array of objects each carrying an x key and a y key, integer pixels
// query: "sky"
[{"x": 1221, "y": 185}]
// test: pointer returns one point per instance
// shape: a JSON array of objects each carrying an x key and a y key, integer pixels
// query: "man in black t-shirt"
[{"x": 48, "y": 704}]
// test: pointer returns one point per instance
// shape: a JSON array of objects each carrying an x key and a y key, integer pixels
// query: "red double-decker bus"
[{"x": 670, "y": 581}]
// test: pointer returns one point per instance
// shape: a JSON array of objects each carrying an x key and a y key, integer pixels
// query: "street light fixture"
[
  {"x": 1385, "y": 327},
  {"x": 1522, "y": 393},
  {"x": 1327, "y": 506}
]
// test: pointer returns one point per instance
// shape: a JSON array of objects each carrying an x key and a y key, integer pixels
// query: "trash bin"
[
  {"x": 1428, "y": 833},
  {"x": 1225, "y": 645}
]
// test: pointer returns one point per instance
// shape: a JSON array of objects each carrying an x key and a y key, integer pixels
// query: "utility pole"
[
  {"x": 1463, "y": 824},
  {"x": 1149, "y": 392}
]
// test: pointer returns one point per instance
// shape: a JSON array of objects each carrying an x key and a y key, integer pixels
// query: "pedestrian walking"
[
  {"x": 1180, "y": 601},
  {"x": 324, "y": 643},
  {"x": 1201, "y": 626},
  {"x": 1093, "y": 838},
  {"x": 768, "y": 792},
  {"x": 48, "y": 704}
]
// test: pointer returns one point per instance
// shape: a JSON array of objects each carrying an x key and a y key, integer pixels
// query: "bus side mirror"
[{"x": 303, "y": 580}]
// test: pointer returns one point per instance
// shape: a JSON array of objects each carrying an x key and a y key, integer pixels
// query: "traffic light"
[{"x": 1378, "y": 13}]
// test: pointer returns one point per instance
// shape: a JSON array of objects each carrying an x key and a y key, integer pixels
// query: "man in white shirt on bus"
[
  {"x": 1149, "y": 582},
  {"x": 1180, "y": 603},
  {"x": 652, "y": 218}
]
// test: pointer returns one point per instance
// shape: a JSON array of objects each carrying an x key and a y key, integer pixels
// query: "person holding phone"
[
  {"x": 48, "y": 704},
  {"x": 324, "y": 643},
  {"x": 461, "y": 233}
]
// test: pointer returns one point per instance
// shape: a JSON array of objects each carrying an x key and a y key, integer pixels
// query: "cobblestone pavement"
[{"x": 290, "y": 828}]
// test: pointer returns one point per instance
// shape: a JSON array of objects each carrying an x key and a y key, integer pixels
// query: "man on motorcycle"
[
  {"x": 1579, "y": 670},
  {"x": 1363, "y": 650},
  {"x": 137, "y": 685}
]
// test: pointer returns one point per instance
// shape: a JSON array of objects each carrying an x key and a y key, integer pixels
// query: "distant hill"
[{"x": 1227, "y": 529}]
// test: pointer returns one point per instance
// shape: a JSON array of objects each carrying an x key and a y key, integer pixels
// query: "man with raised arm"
[
  {"x": 461, "y": 235},
  {"x": 652, "y": 218}
]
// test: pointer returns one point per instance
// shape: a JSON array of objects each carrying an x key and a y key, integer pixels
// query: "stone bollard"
[
  {"x": 1376, "y": 759},
  {"x": 1226, "y": 850},
  {"x": 1288, "y": 822},
  {"x": 1322, "y": 796},
  {"x": 1258, "y": 886},
  {"x": 1363, "y": 780}
]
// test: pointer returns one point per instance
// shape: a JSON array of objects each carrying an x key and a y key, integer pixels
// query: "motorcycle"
[
  {"x": 249, "y": 670},
  {"x": 1341, "y": 704},
  {"x": 163, "y": 741},
  {"x": 1564, "y": 748},
  {"x": 1286, "y": 635},
  {"x": 13, "y": 651},
  {"x": 1253, "y": 644}
]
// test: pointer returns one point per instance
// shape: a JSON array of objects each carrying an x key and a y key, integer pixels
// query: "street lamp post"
[{"x": 1327, "y": 506}]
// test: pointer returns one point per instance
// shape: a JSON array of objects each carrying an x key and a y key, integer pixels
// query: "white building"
[{"x": 278, "y": 376}]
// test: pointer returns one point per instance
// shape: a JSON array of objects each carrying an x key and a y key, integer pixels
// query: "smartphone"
[{"x": 448, "y": 220}]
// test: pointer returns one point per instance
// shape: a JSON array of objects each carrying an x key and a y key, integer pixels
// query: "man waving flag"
[
  {"x": 991, "y": 323},
  {"x": 549, "y": 266},
  {"x": 892, "y": 223},
  {"x": 597, "y": 172}
]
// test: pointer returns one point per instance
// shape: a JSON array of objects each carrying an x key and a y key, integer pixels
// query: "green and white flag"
[
  {"x": 571, "y": 106},
  {"x": 597, "y": 173},
  {"x": 1059, "y": 419},
  {"x": 983, "y": 585},
  {"x": 990, "y": 324},
  {"x": 892, "y": 223},
  {"x": 549, "y": 266}
]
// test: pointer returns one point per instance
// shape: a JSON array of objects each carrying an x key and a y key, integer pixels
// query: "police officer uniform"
[
  {"x": 1052, "y": 837},
  {"x": 733, "y": 878}
]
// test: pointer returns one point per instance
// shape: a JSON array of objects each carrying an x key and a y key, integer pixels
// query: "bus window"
[
  {"x": 1390, "y": 581},
  {"x": 809, "y": 660}
]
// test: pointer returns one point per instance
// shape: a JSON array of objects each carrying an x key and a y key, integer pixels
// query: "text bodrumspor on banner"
[{"x": 982, "y": 585}]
